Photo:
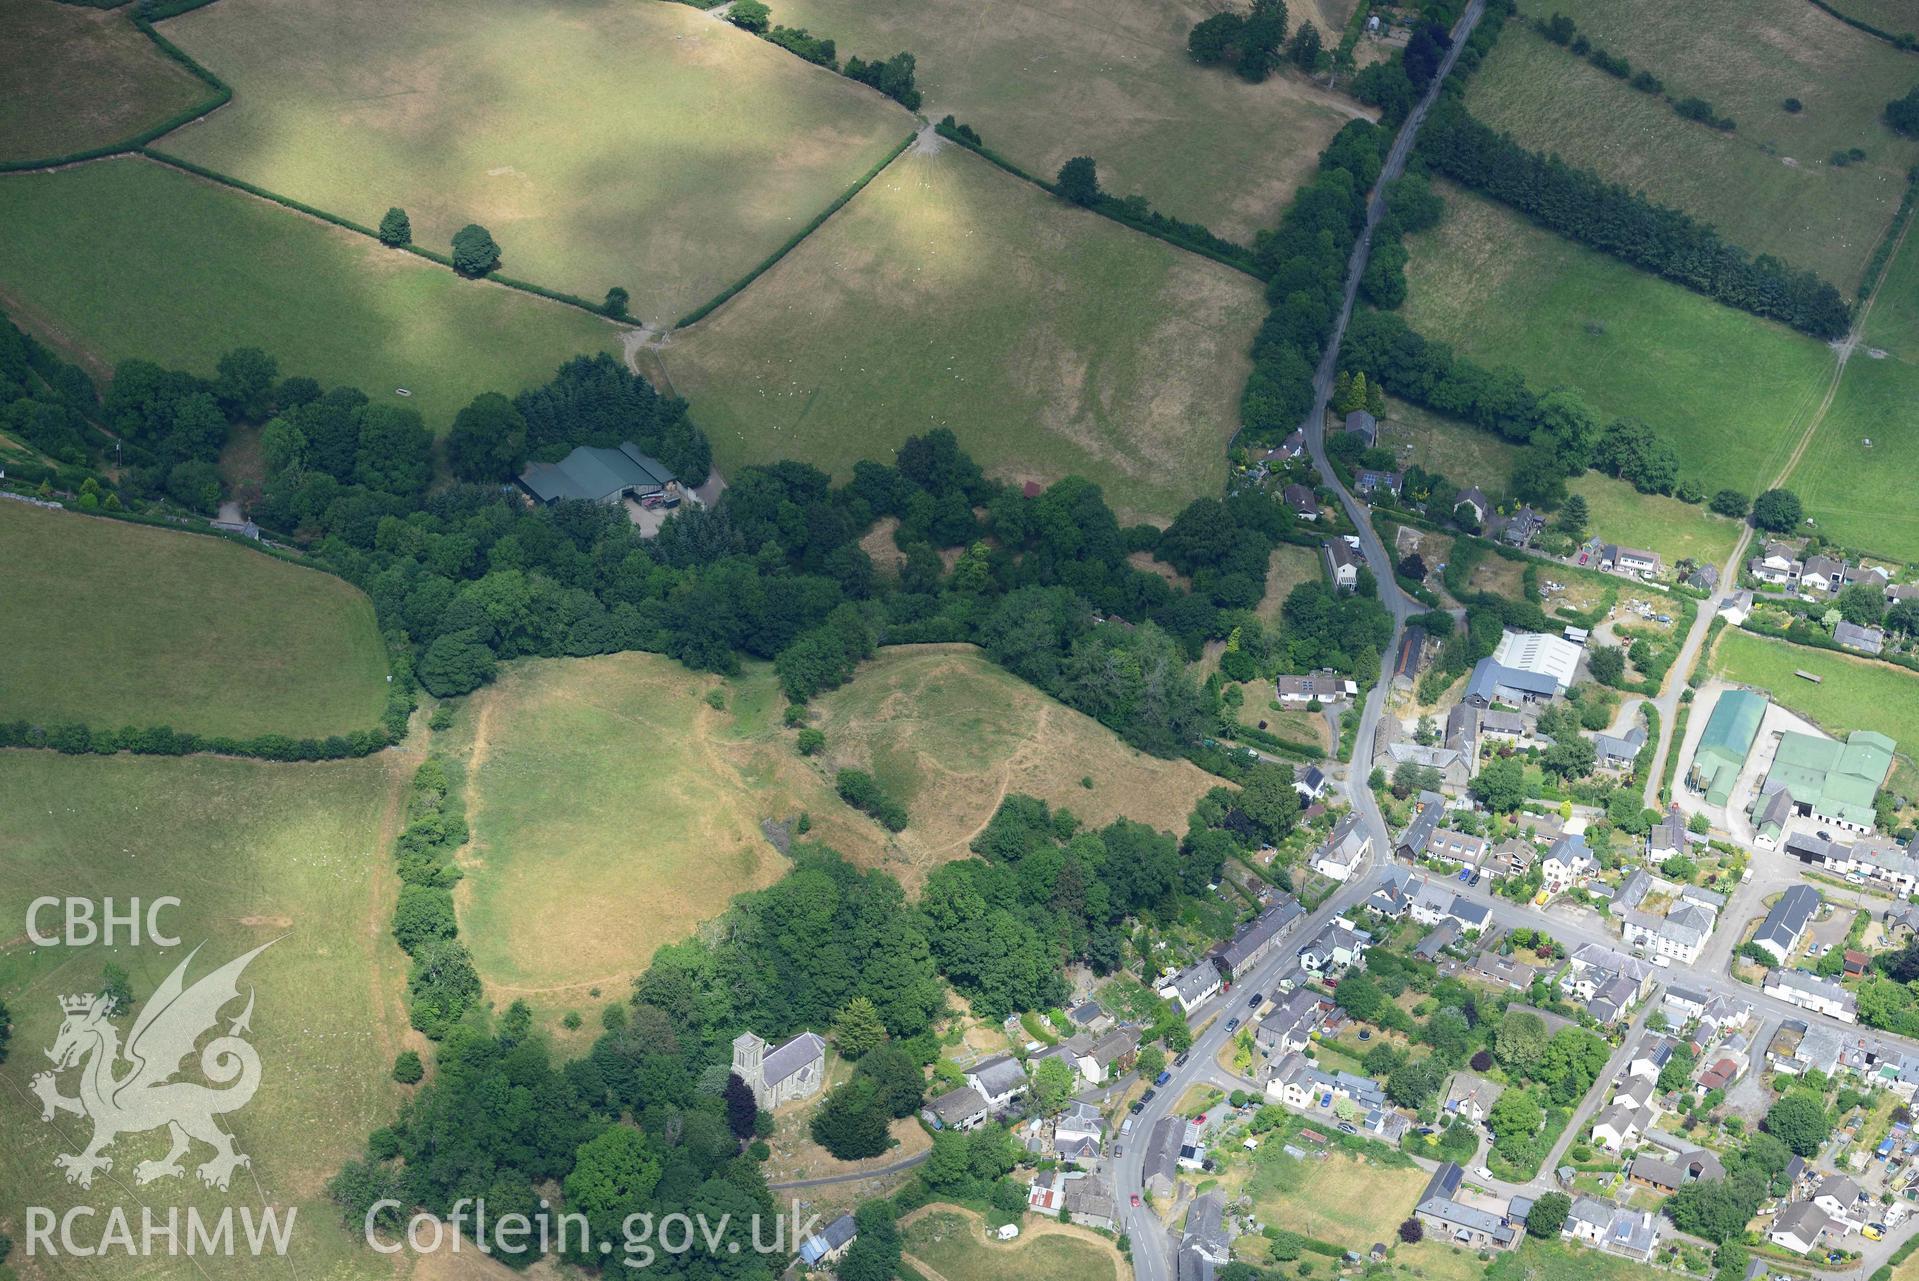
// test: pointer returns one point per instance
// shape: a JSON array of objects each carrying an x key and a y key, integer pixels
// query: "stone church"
[{"x": 795, "y": 1070}]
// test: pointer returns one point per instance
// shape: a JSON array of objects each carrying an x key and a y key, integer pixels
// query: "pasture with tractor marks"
[
  {"x": 73, "y": 78},
  {"x": 1769, "y": 185},
  {"x": 1045, "y": 83},
  {"x": 948, "y": 734},
  {"x": 293, "y": 856},
  {"x": 1731, "y": 392},
  {"x": 949, "y": 294},
  {"x": 213, "y": 269},
  {"x": 111, "y": 624},
  {"x": 649, "y": 146}
]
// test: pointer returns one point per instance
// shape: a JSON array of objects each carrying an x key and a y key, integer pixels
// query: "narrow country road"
[{"x": 1153, "y": 1243}]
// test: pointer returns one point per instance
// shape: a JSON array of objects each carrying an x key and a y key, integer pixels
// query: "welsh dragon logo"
[{"x": 132, "y": 1090}]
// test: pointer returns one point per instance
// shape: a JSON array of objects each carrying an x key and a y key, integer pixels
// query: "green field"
[
  {"x": 1045, "y": 83},
  {"x": 1732, "y": 392},
  {"x": 1317, "y": 1199},
  {"x": 125, "y": 258},
  {"x": 950, "y": 1242},
  {"x": 74, "y": 78},
  {"x": 1768, "y": 186},
  {"x": 1620, "y": 513},
  {"x": 117, "y": 624},
  {"x": 1857, "y": 491},
  {"x": 649, "y": 146},
  {"x": 948, "y": 734},
  {"x": 1051, "y": 341},
  {"x": 1893, "y": 16},
  {"x": 1564, "y": 1261},
  {"x": 295, "y": 855},
  {"x": 1855, "y": 693}
]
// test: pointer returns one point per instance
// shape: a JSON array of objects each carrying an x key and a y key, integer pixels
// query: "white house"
[
  {"x": 1810, "y": 992},
  {"x": 1344, "y": 849},
  {"x": 997, "y": 1079},
  {"x": 1799, "y": 1226},
  {"x": 1193, "y": 987},
  {"x": 1566, "y": 864}
]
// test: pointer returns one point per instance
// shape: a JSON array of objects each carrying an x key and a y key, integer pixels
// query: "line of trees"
[
  {"x": 891, "y": 76},
  {"x": 1584, "y": 207}
]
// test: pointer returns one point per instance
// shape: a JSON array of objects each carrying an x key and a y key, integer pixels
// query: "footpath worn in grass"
[
  {"x": 116, "y": 624},
  {"x": 949, "y": 734},
  {"x": 1043, "y": 83},
  {"x": 1855, "y": 693},
  {"x": 1730, "y": 391},
  {"x": 1856, "y": 475},
  {"x": 124, "y": 258},
  {"x": 295, "y": 855},
  {"x": 1769, "y": 186},
  {"x": 650, "y": 146},
  {"x": 607, "y": 820},
  {"x": 74, "y": 78},
  {"x": 948, "y": 293}
]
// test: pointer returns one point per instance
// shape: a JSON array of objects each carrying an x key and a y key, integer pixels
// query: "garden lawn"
[
  {"x": 1768, "y": 186},
  {"x": 127, "y": 258},
  {"x": 1566, "y": 1262},
  {"x": 74, "y": 78},
  {"x": 951, "y": 1242},
  {"x": 949, "y": 294},
  {"x": 1856, "y": 475},
  {"x": 1317, "y": 1198},
  {"x": 948, "y": 734},
  {"x": 296, "y": 856},
  {"x": 650, "y": 146},
  {"x": 113, "y": 624},
  {"x": 1730, "y": 391},
  {"x": 1043, "y": 83},
  {"x": 1289, "y": 566},
  {"x": 1854, "y": 693}
]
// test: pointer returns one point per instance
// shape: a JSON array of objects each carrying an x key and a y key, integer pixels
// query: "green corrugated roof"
[
  {"x": 1836, "y": 779},
  {"x": 1724, "y": 742},
  {"x": 595, "y": 474}
]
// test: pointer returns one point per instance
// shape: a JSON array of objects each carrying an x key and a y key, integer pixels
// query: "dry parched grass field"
[
  {"x": 949, "y": 734},
  {"x": 644, "y": 145},
  {"x": 116, "y": 624},
  {"x": 948, "y": 293},
  {"x": 296, "y": 856},
  {"x": 950, "y": 1244},
  {"x": 1046, "y": 82},
  {"x": 1769, "y": 185},
  {"x": 607, "y": 820},
  {"x": 74, "y": 78}
]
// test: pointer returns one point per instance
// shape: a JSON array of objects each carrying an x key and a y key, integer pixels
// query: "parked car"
[
  {"x": 1162, "y": 1078},
  {"x": 1482, "y": 1172},
  {"x": 1148, "y": 1096},
  {"x": 1136, "y": 1105},
  {"x": 1349, "y": 1127},
  {"x": 1200, "y": 1119},
  {"x": 1475, "y": 880},
  {"x": 1253, "y": 999},
  {"x": 1231, "y": 1024},
  {"x": 1873, "y": 1232},
  {"x": 1180, "y": 1061},
  {"x": 1325, "y": 1100},
  {"x": 1136, "y": 1199}
]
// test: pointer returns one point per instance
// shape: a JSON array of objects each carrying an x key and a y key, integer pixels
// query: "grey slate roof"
[
  {"x": 1788, "y": 918},
  {"x": 791, "y": 1057}
]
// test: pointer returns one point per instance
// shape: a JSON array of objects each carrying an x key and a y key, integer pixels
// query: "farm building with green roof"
[
  {"x": 597, "y": 475},
  {"x": 1723, "y": 745},
  {"x": 1834, "y": 782}
]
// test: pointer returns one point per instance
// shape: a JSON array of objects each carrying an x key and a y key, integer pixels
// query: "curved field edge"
[{"x": 111, "y": 623}]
